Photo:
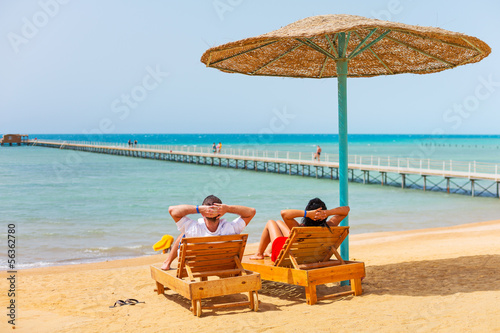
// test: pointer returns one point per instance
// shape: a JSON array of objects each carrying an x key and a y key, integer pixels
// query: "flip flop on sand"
[
  {"x": 119, "y": 303},
  {"x": 128, "y": 301},
  {"x": 132, "y": 301}
]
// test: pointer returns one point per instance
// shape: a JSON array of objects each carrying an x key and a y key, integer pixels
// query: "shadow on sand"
[
  {"x": 417, "y": 278},
  {"x": 434, "y": 277}
]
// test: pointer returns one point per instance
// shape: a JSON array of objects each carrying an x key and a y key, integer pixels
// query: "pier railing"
[{"x": 379, "y": 163}]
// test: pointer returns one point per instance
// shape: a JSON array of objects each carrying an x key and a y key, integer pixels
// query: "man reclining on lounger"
[{"x": 210, "y": 224}]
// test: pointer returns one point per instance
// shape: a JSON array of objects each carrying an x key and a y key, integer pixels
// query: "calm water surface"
[{"x": 73, "y": 207}]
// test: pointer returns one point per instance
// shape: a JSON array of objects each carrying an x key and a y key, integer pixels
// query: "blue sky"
[{"x": 68, "y": 67}]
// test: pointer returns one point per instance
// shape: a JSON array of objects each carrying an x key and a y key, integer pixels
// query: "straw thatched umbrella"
[{"x": 346, "y": 46}]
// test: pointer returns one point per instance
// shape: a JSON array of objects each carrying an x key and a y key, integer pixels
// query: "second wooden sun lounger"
[
  {"x": 305, "y": 261},
  {"x": 217, "y": 258}
]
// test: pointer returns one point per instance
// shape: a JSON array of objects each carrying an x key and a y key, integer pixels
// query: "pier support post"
[
  {"x": 425, "y": 183},
  {"x": 472, "y": 190},
  {"x": 382, "y": 178},
  {"x": 448, "y": 185},
  {"x": 498, "y": 194},
  {"x": 316, "y": 172},
  {"x": 403, "y": 180},
  {"x": 302, "y": 170}
]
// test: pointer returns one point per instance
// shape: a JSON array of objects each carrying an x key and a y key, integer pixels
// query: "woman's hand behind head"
[{"x": 320, "y": 214}]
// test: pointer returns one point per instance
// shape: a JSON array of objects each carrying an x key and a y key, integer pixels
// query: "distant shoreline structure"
[{"x": 10, "y": 139}]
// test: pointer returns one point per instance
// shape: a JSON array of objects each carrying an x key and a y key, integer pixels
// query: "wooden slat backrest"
[
  {"x": 311, "y": 245},
  {"x": 210, "y": 254}
]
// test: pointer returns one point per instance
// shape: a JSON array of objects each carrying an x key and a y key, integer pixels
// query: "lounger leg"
[
  {"x": 250, "y": 298},
  {"x": 193, "y": 306},
  {"x": 356, "y": 287},
  {"x": 160, "y": 289},
  {"x": 311, "y": 295}
]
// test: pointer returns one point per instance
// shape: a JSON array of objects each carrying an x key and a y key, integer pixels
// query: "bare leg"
[
  {"x": 284, "y": 228},
  {"x": 285, "y": 231},
  {"x": 264, "y": 241},
  {"x": 270, "y": 233},
  {"x": 172, "y": 255}
]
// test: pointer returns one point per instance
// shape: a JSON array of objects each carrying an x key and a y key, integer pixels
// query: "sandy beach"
[{"x": 439, "y": 280}]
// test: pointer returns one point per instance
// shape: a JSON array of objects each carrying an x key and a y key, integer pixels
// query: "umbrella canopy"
[
  {"x": 309, "y": 48},
  {"x": 346, "y": 46}
]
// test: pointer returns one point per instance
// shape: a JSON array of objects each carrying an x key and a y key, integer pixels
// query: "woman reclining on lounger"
[{"x": 315, "y": 215}]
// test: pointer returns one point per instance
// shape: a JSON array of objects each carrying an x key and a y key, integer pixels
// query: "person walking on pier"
[
  {"x": 314, "y": 215},
  {"x": 210, "y": 224},
  {"x": 135, "y": 143},
  {"x": 318, "y": 154},
  {"x": 214, "y": 148},
  {"x": 219, "y": 147}
]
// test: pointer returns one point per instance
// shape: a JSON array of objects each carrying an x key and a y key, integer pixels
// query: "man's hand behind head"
[
  {"x": 209, "y": 211},
  {"x": 221, "y": 208}
]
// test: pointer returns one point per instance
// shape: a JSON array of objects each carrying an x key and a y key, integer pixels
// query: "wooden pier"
[{"x": 469, "y": 178}]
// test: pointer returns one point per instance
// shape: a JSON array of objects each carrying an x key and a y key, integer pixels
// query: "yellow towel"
[{"x": 164, "y": 243}]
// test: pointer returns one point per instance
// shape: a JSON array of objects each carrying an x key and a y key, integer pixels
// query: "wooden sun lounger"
[
  {"x": 202, "y": 258},
  {"x": 305, "y": 261}
]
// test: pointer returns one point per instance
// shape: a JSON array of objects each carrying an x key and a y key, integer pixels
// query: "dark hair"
[
  {"x": 210, "y": 200},
  {"x": 312, "y": 205}
]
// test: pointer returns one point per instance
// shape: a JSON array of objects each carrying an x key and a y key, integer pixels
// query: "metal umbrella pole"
[{"x": 343, "y": 148}]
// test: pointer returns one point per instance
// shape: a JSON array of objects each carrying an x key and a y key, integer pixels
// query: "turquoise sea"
[{"x": 72, "y": 207}]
